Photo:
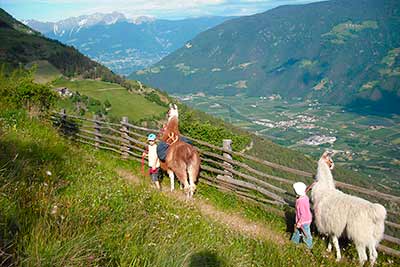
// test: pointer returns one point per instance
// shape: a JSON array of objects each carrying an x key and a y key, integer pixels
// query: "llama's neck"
[
  {"x": 324, "y": 185},
  {"x": 324, "y": 175},
  {"x": 172, "y": 127}
]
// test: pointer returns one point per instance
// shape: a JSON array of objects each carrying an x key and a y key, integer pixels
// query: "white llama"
[{"x": 336, "y": 212}]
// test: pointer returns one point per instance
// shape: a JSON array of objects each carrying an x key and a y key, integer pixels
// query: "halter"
[{"x": 173, "y": 137}]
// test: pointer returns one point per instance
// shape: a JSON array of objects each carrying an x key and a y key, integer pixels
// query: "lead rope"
[{"x": 143, "y": 155}]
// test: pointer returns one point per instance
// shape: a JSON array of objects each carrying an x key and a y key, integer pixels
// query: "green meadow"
[
  {"x": 123, "y": 103},
  {"x": 64, "y": 204},
  {"x": 44, "y": 71}
]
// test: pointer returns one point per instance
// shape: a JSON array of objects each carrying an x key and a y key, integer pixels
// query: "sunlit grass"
[
  {"x": 66, "y": 205},
  {"x": 123, "y": 103}
]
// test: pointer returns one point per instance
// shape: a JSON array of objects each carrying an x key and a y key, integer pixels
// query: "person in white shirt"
[{"x": 154, "y": 161}]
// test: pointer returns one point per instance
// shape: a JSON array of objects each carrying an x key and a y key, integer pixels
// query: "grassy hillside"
[
  {"x": 21, "y": 45},
  {"x": 66, "y": 204},
  {"x": 123, "y": 103},
  {"x": 62, "y": 204},
  {"x": 44, "y": 71}
]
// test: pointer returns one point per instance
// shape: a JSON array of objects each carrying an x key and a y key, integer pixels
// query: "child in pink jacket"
[{"x": 303, "y": 216}]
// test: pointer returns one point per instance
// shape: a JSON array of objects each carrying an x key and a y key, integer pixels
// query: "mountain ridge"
[
  {"x": 22, "y": 45},
  {"x": 336, "y": 51},
  {"x": 125, "y": 44}
]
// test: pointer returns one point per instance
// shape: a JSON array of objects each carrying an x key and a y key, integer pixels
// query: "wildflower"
[
  {"x": 54, "y": 210},
  {"x": 48, "y": 173}
]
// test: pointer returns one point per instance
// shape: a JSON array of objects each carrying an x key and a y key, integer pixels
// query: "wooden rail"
[{"x": 217, "y": 170}]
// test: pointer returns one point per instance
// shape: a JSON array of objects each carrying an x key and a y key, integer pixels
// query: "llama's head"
[
  {"x": 173, "y": 111},
  {"x": 326, "y": 159},
  {"x": 324, "y": 174}
]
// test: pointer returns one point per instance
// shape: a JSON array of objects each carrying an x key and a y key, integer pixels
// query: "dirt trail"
[{"x": 233, "y": 221}]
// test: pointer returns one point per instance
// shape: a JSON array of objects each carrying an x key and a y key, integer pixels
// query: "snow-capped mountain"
[
  {"x": 124, "y": 44},
  {"x": 73, "y": 25}
]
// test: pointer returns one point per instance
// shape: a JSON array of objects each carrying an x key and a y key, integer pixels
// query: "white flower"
[
  {"x": 48, "y": 173},
  {"x": 54, "y": 210}
]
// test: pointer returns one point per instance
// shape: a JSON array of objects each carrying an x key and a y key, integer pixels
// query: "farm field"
[
  {"x": 123, "y": 103},
  {"x": 365, "y": 143}
]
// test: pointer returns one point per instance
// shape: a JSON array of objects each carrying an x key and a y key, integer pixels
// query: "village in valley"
[{"x": 361, "y": 141}]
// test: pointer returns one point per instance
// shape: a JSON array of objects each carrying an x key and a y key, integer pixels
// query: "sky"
[{"x": 55, "y": 10}]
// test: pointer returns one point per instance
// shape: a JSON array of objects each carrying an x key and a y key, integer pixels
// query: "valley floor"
[{"x": 366, "y": 143}]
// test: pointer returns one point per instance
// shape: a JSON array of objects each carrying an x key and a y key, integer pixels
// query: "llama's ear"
[
  {"x": 175, "y": 107},
  {"x": 325, "y": 154},
  {"x": 170, "y": 105},
  {"x": 331, "y": 153}
]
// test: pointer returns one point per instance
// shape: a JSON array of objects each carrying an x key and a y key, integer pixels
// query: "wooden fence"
[{"x": 248, "y": 177}]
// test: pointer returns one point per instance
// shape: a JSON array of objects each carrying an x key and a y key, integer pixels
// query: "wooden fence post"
[
  {"x": 124, "y": 141},
  {"x": 227, "y": 144},
  {"x": 63, "y": 121},
  {"x": 97, "y": 131}
]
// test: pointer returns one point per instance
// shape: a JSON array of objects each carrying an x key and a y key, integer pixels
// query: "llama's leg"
[
  {"x": 187, "y": 190},
  {"x": 183, "y": 178},
  {"x": 192, "y": 185},
  {"x": 329, "y": 248},
  {"x": 172, "y": 179},
  {"x": 193, "y": 171},
  {"x": 335, "y": 242},
  {"x": 192, "y": 189},
  {"x": 362, "y": 255},
  {"x": 373, "y": 254},
  {"x": 186, "y": 186}
]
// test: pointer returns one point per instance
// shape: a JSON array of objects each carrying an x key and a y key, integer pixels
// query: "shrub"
[{"x": 17, "y": 90}]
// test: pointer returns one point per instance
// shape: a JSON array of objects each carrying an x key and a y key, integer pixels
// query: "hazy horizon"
[{"x": 56, "y": 10}]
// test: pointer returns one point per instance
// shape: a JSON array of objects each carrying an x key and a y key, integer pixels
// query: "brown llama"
[{"x": 182, "y": 159}]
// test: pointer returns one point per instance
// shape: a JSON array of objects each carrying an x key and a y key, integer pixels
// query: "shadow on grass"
[
  {"x": 22, "y": 176},
  {"x": 66, "y": 126},
  {"x": 290, "y": 217},
  {"x": 206, "y": 259}
]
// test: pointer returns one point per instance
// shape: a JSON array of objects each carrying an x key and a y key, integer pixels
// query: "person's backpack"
[
  {"x": 162, "y": 148},
  {"x": 184, "y": 139}
]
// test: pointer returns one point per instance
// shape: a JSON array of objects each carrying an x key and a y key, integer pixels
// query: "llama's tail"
[{"x": 378, "y": 217}]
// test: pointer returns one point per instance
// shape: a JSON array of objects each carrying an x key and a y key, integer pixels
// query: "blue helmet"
[{"x": 151, "y": 137}]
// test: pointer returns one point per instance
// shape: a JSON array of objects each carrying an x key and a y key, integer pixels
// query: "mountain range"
[
  {"x": 124, "y": 44},
  {"x": 23, "y": 46},
  {"x": 342, "y": 52}
]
